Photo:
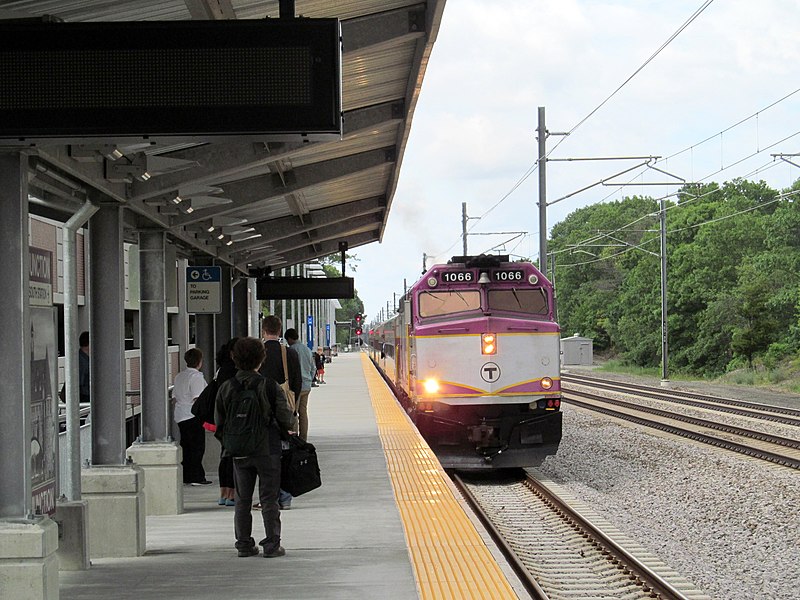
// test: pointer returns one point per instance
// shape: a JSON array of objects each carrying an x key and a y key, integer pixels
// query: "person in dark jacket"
[
  {"x": 83, "y": 367},
  {"x": 273, "y": 364},
  {"x": 273, "y": 368},
  {"x": 265, "y": 461},
  {"x": 226, "y": 369}
]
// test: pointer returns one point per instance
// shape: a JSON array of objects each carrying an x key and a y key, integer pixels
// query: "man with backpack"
[{"x": 252, "y": 414}]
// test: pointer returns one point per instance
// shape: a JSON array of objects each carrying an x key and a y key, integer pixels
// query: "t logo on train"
[{"x": 474, "y": 356}]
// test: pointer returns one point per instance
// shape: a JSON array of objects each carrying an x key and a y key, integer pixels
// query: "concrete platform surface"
[{"x": 343, "y": 540}]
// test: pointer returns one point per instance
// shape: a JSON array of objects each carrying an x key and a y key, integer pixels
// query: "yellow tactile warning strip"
[{"x": 449, "y": 557}]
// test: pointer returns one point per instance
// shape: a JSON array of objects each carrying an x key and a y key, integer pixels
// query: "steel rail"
[
  {"x": 648, "y": 578},
  {"x": 741, "y": 431},
  {"x": 525, "y": 576},
  {"x": 754, "y": 409},
  {"x": 700, "y": 437}
]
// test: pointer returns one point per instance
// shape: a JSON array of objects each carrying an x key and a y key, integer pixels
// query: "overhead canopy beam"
[
  {"x": 218, "y": 162},
  {"x": 383, "y": 29},
  {"x": 305, "y": 254},
  {"x": 267, "y": 187},
  {"x": 287, "y": 227},
  {"x": 336, "y": 231}
]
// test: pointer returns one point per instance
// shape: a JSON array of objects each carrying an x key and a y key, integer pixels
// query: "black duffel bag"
[{"x": 299, "y": 467}]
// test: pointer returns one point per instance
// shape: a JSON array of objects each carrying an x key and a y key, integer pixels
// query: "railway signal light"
[
  {"x": 358, "y": 331},
  {"x": 358, "y": 319}
]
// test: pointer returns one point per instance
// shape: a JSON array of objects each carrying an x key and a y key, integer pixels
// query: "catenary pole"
[
  {"x": 464, "y": 226},
  {"x": 541, "y": 133},
  {"x": 664, "y": 348}
]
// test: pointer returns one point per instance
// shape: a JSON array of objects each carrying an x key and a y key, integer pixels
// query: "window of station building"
[
  {"x": 529, "y": 302},
  {"x": 435, "y": 304}
]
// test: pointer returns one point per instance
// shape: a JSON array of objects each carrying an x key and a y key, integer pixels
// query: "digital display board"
[
  {"x": 290, "y": 288},
  {"x": 173, "y": 79}
]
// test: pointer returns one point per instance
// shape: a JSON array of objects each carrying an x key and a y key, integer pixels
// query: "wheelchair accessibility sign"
[{"x": 203, "y": 290}]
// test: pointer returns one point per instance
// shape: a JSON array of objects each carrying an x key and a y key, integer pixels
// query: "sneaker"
[
  {"x": 285, "y": 506},
  {"x": 230, "y": 502},
  {"x": 279, "y": 551},
  {"x": 251, "y": 551},
  {"x": 204, "y": 482},
  {"x": 256, "y": 506},
  {"x": 221, "y": 501}
]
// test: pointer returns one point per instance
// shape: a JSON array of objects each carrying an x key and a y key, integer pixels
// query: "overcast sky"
[{"x": 473, "y": 134}]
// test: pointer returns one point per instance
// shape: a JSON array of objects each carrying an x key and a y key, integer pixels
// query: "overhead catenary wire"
[{"x": 532, "y": 169}]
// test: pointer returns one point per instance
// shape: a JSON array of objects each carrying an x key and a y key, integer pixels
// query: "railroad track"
[
  {"x": 756, "y": 410},
  {"x": 559, "y": 551},
  {"x": 777, "y": 449}
]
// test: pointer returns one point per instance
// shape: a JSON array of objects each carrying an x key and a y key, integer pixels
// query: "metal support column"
[
  {"x": 15, "y": 341},
  {"x": 542, "y": 162},
  {"x": 255, "y": 313},
  {"x": 71, "y": 486},
  {"x": 240, "y": 293},
  {"x": 205, "y": 342},
  {"x": 180, "y": 330},
  {"x": 107, "y": 336},
  {"x": 153, "y": 324},
  {"x": 223, "y": 322},
  {"x": 664, "y": 335}
]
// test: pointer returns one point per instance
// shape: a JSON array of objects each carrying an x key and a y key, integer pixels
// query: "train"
[{"x": 473, "y": 356}]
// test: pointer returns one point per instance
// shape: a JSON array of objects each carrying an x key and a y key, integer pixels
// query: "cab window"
[
  {"x": 434, "y": 304},
  {"x": 529, "y": 302}
]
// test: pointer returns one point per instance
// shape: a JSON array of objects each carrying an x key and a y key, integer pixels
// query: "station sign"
[
  {"x": 204, "y": 290},
  {"x": 40, "y": 277}
]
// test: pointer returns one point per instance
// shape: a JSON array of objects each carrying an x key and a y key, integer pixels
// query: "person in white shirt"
[{"x": 188, "y": 385}]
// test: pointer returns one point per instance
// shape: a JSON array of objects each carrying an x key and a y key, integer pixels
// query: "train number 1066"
[
  {"x": 515, "y": 275},
  {"x": 458, "y": 276}
]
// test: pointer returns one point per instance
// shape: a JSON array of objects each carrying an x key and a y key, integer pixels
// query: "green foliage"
[{"x": 733, "y": 286}]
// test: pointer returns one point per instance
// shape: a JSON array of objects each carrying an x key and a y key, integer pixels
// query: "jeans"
[{"x": 268, "y": 470}]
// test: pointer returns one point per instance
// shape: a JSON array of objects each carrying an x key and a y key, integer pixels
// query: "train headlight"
[
  {"x": 488, "y": 343},
  {"x": 432, "y": 281},
  {"x": 533, "y": 279},
  {"x": 547, "y": 383},
  {"x": 431, "y": 385}
]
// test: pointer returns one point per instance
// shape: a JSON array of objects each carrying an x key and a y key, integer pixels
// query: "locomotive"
[{"x": 473, "y": 355}]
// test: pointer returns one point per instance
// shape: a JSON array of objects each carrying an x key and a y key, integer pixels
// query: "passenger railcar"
[{"x": 474, "y": 357}]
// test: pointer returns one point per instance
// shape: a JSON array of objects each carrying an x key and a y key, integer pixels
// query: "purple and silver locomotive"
[{"x": 473, "y": 354}]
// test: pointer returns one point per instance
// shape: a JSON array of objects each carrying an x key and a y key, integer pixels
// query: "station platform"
[{"x": 386, "y": 522}]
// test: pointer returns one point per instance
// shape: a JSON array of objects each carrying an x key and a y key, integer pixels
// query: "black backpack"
[{"x": 245, "y": 425}]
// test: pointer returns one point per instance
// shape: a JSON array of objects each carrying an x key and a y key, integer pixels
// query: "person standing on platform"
[
  {"x": 83, "y": 366},
  {"x": 264, "y": 461},
  {"x": 283, "y": 365},
  {"x": 319, "y": 359},
  {"x": 188, "y": 385},
  {"x": 307, "y": 370},
  {"x": 225, "y": 370}
]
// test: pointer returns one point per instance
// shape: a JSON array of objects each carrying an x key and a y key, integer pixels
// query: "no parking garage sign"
[{"x": 203, "y": 290}]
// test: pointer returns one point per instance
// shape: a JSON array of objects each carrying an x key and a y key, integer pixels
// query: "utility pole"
[
  {"x": 664, "y": 349},
  {"x": 541, "y": 133},
  {"x": 424, "y": 262},
  {"x": 464, "y": 226}
]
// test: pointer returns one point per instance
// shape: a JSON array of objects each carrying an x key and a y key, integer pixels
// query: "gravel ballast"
[{"x": 726, "y": 522}]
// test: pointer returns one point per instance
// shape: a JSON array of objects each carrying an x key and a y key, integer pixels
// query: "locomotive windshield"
[
  {"x": 434, "y": 304},
  {"x": 530, "y": 302}
]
